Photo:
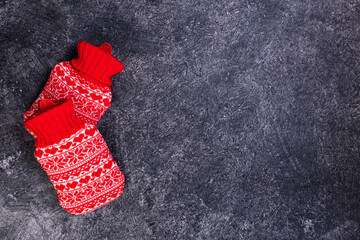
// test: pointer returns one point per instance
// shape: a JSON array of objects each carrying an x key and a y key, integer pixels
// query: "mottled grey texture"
[{"x": 232, "y": 119}]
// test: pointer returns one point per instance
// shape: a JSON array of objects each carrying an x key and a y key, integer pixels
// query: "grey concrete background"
[{"x": 232, "y": 119}]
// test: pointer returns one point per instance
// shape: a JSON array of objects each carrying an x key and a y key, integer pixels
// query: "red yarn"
[
  {"x": 54, "y": 124},
  {"x": 85, "y": 80},
  {"x": 76, "y": 159},
  {"x": 68, "y": 145},
  {"x": 96, "y": 62}
]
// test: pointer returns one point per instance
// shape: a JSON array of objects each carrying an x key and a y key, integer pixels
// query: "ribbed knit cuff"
[
  {"x": 54, "y": 124},
  {"x": 96, "y": 62}
]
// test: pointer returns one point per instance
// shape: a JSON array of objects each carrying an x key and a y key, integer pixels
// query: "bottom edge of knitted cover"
[{"x": 97, "y": 202}]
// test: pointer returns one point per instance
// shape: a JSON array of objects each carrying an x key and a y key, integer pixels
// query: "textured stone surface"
[{"x": 232, "y": 119}]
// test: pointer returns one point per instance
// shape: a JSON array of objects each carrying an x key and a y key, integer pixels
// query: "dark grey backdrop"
[{"x": 232, "y": 119}]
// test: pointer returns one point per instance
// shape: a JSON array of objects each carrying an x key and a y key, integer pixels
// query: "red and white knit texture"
[
  {"x": 68, "y": 145},
  {"x": 82, "y": 170},
  {"x": 90, "y": 99},
  {"x": 85, "y": 81}
]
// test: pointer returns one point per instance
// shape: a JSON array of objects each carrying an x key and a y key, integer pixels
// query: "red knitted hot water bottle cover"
[
  {"x": 85, "y": 80},
  {"x": 75, "y": 157}
]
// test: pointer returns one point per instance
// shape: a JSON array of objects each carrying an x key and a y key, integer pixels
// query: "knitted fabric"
[
  {"x": 85, "y": 80},
  {"x": 76, "y": 159}
]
